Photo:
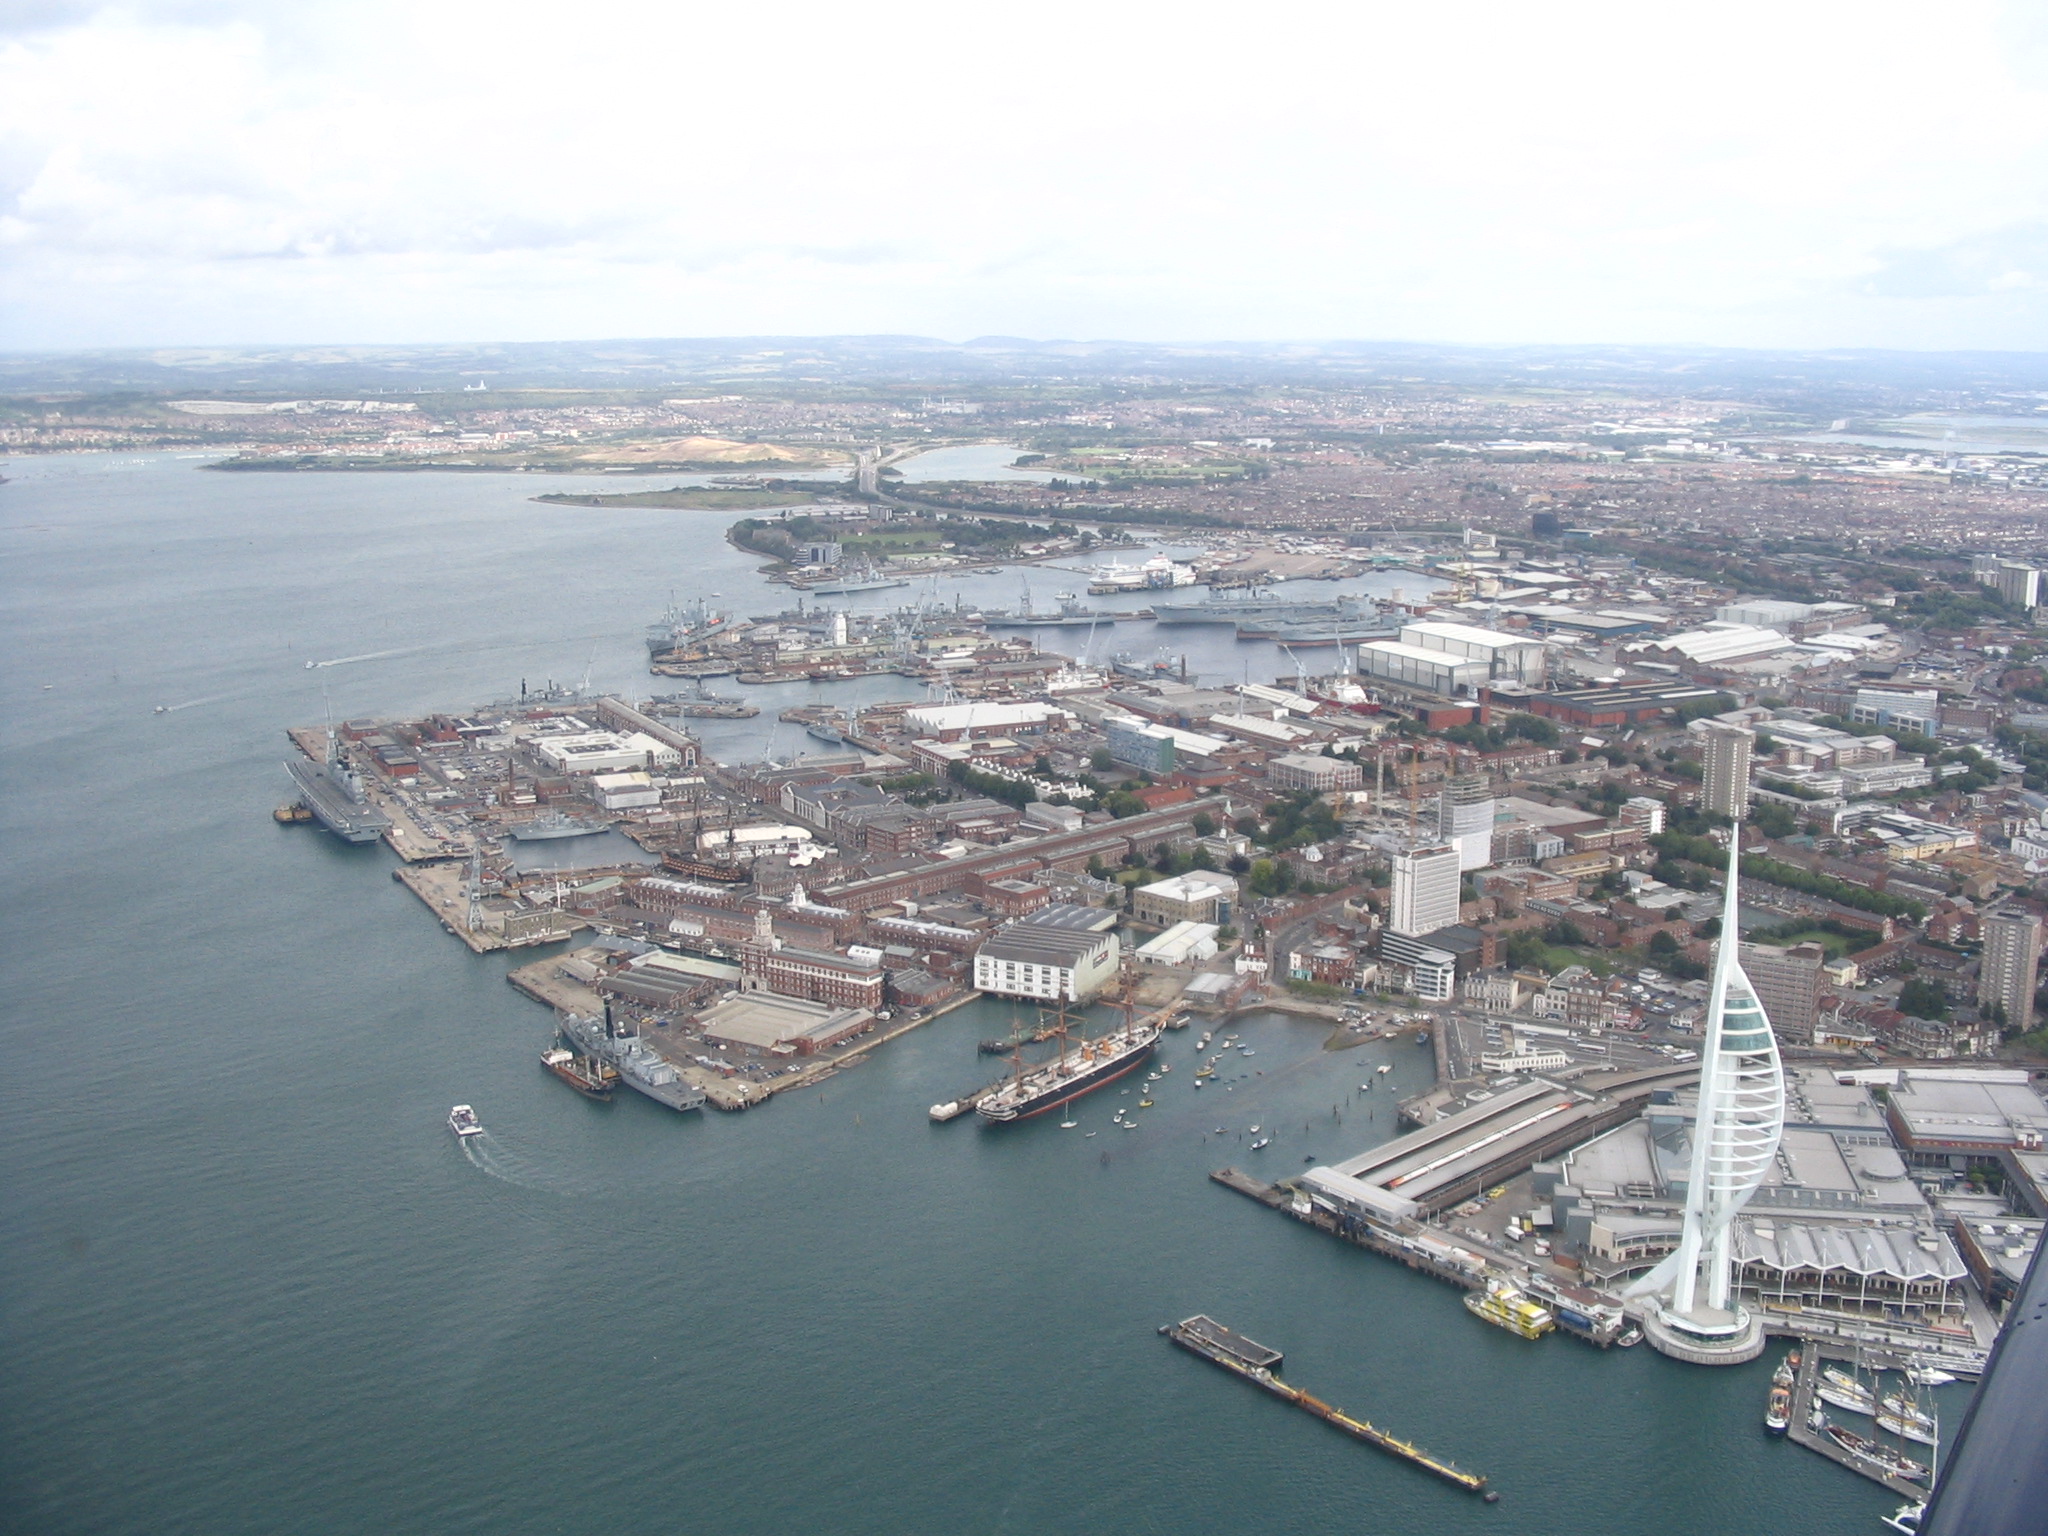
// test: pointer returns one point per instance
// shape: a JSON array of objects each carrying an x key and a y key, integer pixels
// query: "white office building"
[{"x": 1426, "y": 883}]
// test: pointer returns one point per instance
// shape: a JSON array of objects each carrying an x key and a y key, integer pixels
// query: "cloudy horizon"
[{"x": 218, "y": 172}]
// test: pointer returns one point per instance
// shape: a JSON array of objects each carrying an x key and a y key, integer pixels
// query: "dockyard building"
[
  {"x": 1199, "y": 896},
  {"x": 1059, "y": 953}
]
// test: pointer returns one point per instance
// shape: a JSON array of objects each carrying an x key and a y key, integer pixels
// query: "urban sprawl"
[{"x": 1637, "y": 637}]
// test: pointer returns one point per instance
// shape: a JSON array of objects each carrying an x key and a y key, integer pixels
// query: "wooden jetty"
[{"x": 1254, "y": 1362}]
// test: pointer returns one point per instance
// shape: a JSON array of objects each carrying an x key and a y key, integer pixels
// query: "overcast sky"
[{"x": 184, "y": 172}]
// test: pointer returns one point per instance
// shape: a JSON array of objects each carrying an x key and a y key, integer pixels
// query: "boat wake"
[
  {"x": 172, "y": 709},
  {"x": 460, "y": 648},
  {"x": 494, "y": 1156},
  {"x": 349, "y": 661}
]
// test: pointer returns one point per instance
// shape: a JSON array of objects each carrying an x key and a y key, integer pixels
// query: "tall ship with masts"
[{"x": 1082, "y": 1064}]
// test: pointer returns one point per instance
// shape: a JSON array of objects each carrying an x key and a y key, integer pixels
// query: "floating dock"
[
  {"x": 1255, "y": 1363},
  {"x": 1801, "y": 1431}
]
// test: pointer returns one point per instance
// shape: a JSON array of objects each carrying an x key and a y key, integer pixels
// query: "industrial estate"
[{"x": 1679, "y": 785}]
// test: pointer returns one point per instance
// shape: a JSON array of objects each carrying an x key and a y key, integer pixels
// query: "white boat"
[
  {"x": 1906, "y": 1518},
  {"x": 1385, "y": 1067},
  {"x": 463, "y": 1122},
  {"x": 1903, "y": 1407},
  {"x": 1905, "y": 1428},
  {"x": 1928, "y": 1376},
  {"x": 1848, "y": 1402},
  {"x": 1262, "y": 1143},
  {"x": 1842, "y": 1390}
]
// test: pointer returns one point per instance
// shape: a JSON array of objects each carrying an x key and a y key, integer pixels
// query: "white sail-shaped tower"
[{"x": 1735, "y": 1137}]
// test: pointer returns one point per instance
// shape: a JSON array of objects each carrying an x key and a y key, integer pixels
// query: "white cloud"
[{"x": 1746, "y": 174}]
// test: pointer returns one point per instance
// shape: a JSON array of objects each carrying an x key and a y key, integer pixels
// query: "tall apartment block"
[
  {"x": 2012, "y": 955},
  {"x": 1725, "y": 752},
  {"x": 1787, "y": 983}
]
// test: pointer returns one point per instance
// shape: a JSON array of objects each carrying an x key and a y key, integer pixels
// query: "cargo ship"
[
  {"x": 590, "y": 1077},
  {"x": 1505, "y": 1307},
  {"x": 1079, "y": 1068},
  {"x": 638, "y": 1065}
]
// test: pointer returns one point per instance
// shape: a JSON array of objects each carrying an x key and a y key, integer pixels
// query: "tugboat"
[{"x": 463, "y": 1122}]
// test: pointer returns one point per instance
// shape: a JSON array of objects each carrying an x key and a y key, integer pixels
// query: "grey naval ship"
[
  {"x": 639, "y": 1066},
  {"x": 1217, "y": 609},
  {"x": 333, "y": 791}
]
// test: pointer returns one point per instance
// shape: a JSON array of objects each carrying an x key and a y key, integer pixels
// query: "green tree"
[{"x": 1924, "y": 999}]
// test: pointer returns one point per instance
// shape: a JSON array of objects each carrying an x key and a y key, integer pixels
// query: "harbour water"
[{"x": 250, "y": 1284}]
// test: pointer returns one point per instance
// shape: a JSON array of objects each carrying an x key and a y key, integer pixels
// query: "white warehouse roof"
[
  {"x": 1465, "y": 634},
  {"x": 979, "y": 717}
]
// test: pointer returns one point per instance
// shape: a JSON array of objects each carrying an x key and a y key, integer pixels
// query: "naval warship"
[
  {"x": 333, "y": 791},
  {"x": 1216, "y": 609},
  {"x": 550, "y": 825},
  {"x": 1069, "y": 615},
  {"x": 639, "y": 1066}
]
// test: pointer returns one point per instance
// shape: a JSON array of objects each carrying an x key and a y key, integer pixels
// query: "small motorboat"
[
  {"x": 1385, "y": 1067},
  {"x": 1068, "y": 1125},
  {"x": 463, "y": 1122},
  {"x": 1629, "y": 1337},
  {"x": 1262, "y": 1143},
  {"x": 1144, "y": 1103}
]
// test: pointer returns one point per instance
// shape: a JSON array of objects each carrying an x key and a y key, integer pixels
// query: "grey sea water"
[{"x": 249, "y": 1284}]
